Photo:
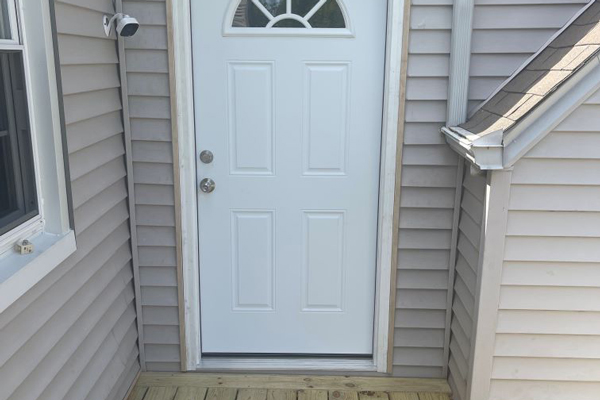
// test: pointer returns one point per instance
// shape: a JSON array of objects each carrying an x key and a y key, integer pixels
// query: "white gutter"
[
  {"x": 497, "y": 150},
  {"x": 485, "y": 152}
]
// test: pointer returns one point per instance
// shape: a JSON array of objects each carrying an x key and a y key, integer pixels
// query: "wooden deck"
[{"x": 158, "y": 386}]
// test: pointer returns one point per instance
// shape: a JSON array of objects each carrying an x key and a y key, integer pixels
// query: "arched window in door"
[{"x": 268, "y": 15}]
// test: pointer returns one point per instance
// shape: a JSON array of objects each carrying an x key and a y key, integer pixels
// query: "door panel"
[
  {"x": 293, "y": 118},
  {"x": 325, "y": 118},
  {"x": 251, "y": 115}
]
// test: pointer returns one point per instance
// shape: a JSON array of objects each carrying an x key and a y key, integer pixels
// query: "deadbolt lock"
[{"x": 207, "y": 157}]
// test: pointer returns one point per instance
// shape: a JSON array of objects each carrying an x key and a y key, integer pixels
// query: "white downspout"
[{"x": 457, "y": 108}]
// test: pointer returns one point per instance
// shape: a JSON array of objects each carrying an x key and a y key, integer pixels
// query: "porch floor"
[{"x": 197, "y": 386}]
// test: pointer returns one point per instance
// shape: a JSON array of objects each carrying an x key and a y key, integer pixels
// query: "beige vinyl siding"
[
  {"x": 548, "y": 336},
  {"x": 149, "y": 104},
  {"x": 74, "y": 335},
  {"x": 508, "y": 32},
  {"x": 427, "y": 199},
  {"x": 467, "y": 273}
]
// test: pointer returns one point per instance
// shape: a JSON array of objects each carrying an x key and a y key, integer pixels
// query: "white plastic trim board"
[
  {"x": 184, "y": 99},
  {"x": 488, "y": 284}
]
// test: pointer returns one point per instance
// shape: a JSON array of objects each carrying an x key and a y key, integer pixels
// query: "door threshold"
[{"x": 287, "y": 364}]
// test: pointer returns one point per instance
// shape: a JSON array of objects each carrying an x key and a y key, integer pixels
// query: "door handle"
[{"x": 207, "y": 185}]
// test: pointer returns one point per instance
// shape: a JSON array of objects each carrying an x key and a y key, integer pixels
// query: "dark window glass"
[
  {"x": 18, "y": 198},
  {"x": 5, "y": 32},
  {"x": 275, "y": 7},
  {"x": 248, "y": 15},
  {"x": 328, "y": 16},
  {"x": 303, "y": 7},
  {"x": 288, "y": 23}
]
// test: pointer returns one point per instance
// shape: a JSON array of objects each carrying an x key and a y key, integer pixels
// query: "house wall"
[
  {"x": 73, "y": 336},
  {"x": 468, "y": 271},
  {"x": 547, "y": 344},
  {"x": 427, "y": 197},
  {"x": 505, "y": 34},
  {"x": 149, "y": 107},
  {"x": 428, "y": 177}
]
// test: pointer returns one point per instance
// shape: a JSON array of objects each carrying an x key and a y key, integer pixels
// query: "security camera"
[{"x": 125, "y": 25}]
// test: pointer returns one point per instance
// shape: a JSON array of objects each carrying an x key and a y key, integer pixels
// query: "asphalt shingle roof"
[{"x": 553, "y": 66}]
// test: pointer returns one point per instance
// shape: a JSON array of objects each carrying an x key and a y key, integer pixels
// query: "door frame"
[{"x": 184, "y": 151}]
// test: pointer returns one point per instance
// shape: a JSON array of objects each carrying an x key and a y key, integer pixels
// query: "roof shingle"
[{"x": 553, "y": 66}]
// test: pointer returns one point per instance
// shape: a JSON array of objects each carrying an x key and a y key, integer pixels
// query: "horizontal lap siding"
[
  {"x": 149, "y": 106},
  {"x": 508, "y": 32},
  {"x": 465, "y": 283},
  {"x": 427, "y": 199},
  {"x": 74, "y": 335},
  {"x": 548, "y": 338},
  {"x": 429, "y": 176}
]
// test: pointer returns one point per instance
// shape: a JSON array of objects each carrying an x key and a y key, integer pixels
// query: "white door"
[{"x": 289, "y": 100}]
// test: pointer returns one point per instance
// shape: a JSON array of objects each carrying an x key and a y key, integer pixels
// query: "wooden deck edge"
[
  {"x": 134, "y": 384},
  {"x": 296, "y": 382}
]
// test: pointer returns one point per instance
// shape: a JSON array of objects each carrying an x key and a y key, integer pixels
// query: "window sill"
[{"x": 19, "y": 273}]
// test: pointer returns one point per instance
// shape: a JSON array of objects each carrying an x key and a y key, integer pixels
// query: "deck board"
[
  {"x": 161, "y": 393},
  {"x": 404, "y": 396},
  {"x": 190, "y": 393},
  {"x": 313, "y": 394},
  {"x": 252, "y": 394},
  {"x": 282, "y": 394},
  {"x": 342, "y": 395},
  {"x": 190, "y": 386},
  {"x": 221, "y": 393},
  {"x": 138, "y": 393}
]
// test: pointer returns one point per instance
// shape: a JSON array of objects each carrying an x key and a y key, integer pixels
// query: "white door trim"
[{"x": 184, "y": 138}]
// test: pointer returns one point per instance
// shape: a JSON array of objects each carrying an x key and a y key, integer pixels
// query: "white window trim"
[
  {"x": 183, "y": 97},
  {"x": 14, "y": 25},
  {"x": 50, "y": 231}
]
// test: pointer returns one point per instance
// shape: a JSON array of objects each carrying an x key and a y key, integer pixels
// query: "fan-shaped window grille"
[{"x": 304, "y": 14}]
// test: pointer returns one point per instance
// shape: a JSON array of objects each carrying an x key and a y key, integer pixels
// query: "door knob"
[{"x": 207, "y": 185}]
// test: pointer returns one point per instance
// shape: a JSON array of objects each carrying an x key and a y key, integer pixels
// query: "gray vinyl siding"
[
  {"x": 427, "y": 199},
  {"x": 149, "y": 104},
  {"x": 547, "y": 343},
  {"x": 73, "y": 336},
  {"x": 506, "y": 33},
  {"x": 467, "y": 273},
  {"x": 428, "y": 176}
]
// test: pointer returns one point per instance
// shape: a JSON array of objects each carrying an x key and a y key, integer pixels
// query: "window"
[
  {"x": 33, "y": 187},
  {"x": 18, "y": 193},
  {"x": 323, "y": 17}
]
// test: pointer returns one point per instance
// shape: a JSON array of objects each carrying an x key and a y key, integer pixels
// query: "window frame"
[
  {"x": 25, "y": 190},
  {"x": 50, "y": 231},
  {"x": 34, "y": 224},
  {"x": 13, "y": 20}
]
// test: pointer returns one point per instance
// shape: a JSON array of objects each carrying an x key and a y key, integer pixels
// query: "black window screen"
[{"x": 18, "y": 198}]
